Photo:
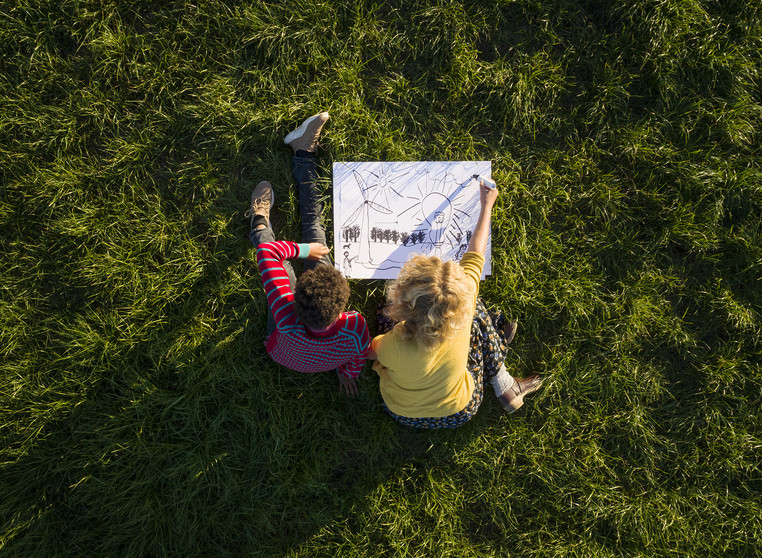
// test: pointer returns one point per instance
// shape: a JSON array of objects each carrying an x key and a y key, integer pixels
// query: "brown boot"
[
  {"x": 306, "y": 136},
  {"x": 509, "y": 329},
  {"x": 513, "y": 398},
  {"x": 262, "y": 199}
]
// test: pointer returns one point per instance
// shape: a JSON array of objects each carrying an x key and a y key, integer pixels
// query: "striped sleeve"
[
  {"x": 356, "y": 328},
  {"x": 270, "y": 258}
]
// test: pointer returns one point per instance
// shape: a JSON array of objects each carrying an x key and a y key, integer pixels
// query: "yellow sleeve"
[
  {"x": 385, "y": 350},
  {"x": 473, "y": 264}
]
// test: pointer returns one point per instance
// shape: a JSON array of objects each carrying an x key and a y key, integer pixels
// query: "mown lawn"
[{"x": 139, "y": 413}]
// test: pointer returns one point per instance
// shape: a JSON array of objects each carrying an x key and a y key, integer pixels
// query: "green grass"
[{"x": 139, "y": 413}]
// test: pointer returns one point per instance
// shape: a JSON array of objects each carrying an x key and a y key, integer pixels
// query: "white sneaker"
[{"x": 305, "y": 137}]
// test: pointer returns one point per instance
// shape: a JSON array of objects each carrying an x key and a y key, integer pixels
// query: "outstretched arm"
[
  {"x": 478, "y": 242},
  {"x": 270, "y": 258}
]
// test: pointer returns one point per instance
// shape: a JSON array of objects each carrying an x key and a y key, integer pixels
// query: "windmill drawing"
[{"x": 362, "y": 215}]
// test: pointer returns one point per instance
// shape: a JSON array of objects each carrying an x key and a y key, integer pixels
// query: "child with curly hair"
[
  {"x": 308, "y": 329},
  {"x": 446, "y": 345}
]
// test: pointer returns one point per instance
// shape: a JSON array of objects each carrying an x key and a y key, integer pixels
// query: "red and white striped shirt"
[{"x": 343, "y": 346}]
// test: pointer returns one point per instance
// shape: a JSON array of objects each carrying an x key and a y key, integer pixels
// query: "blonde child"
[{"x": 446, "y": 345}]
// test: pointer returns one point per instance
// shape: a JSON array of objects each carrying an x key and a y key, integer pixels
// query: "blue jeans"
[{"x": 304, "y": 168}]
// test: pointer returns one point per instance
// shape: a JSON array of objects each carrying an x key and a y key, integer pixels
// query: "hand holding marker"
[{"x": 488, "y": 182}]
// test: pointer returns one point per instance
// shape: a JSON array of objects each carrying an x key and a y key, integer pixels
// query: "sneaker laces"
[{"x": 259, "y": 203}]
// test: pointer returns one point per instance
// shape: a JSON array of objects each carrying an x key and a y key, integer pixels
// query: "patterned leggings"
[{"x": 485, "y": 356}]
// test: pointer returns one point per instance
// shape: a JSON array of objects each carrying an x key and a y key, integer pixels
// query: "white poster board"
[{"x": 383, "y": 212}]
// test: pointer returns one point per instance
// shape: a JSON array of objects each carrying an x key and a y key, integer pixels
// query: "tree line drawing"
[
  {"x": 391, "y": 236},
  {"x": 396, "y": 237},
  {"x": 351, "y": 234},
  {"x": 387, "y": 236}
]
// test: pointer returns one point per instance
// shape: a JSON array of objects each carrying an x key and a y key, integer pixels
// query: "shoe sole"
[
  {"x": 509, "y": 336},
  {"x": 300, "y": 131},
  {"x": 513, "y": 408}
]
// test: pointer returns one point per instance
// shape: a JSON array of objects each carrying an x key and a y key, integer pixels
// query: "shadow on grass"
[
  {"x": 203, "y": 454},
  {"x": 190, "y": 441}
]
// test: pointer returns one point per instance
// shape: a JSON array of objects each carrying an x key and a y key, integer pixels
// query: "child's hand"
[
  {"x": 317, "y": 251},
  {"x": 487, "y": 195},
  {"x": 348, "y": 385}
]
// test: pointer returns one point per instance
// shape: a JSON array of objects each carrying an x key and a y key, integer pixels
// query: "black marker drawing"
[
  {"x": 348, "y": 264},
  {"x": 385, "y": 212}
]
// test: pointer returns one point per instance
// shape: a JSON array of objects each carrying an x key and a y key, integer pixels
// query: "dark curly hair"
[{"x": 320, "y": 296}]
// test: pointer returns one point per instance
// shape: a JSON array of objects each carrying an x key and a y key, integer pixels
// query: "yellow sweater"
[{"x": 417, "y": 382}]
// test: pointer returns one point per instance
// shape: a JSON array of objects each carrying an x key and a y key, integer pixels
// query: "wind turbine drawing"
[{"x": 362, "y": 213}]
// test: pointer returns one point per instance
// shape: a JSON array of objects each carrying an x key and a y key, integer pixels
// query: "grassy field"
[{"x": 139, "y": 413}]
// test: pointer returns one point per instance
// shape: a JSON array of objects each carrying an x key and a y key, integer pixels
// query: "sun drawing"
[{"x": 438, "y": 211}]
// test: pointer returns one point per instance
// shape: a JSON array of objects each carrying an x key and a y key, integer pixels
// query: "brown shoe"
[
  {"x": 513, "y": 398},
  {"x": 305, "y": 137},
  {"x": 262, "y": 199},
  {"x": 509, "y": 329}
]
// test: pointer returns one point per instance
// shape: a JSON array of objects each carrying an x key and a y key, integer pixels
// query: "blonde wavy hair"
[{"x": 430, "y": 298}]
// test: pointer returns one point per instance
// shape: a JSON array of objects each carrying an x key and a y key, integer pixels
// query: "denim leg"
[
  {"x": 260, "y": 236},
  {"x": 310, "y": 205}
]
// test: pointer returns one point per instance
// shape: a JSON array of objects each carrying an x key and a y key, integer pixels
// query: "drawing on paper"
[{"x": 385, "y": 212}]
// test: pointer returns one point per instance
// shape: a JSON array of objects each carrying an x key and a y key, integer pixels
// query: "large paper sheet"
[{"x": 383, "y": 212}]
